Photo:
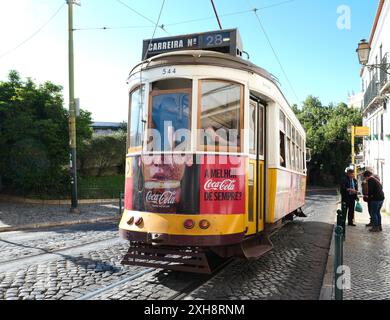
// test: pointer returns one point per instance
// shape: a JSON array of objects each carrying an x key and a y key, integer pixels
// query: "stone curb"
[
  {"x": 57, "y": 224},
  {"x": 327, "y": 289},
  {"x": 15, "y": 199}
]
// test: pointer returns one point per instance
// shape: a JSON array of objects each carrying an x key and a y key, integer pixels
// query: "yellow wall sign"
[{"x": 362, "y": 131}]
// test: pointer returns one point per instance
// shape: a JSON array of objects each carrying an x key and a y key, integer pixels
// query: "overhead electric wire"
[
  {"x": 155, "y": 28},
  {"x": 35, "y": 33},
  {"x": 274, "y": 51},
  {"x": 236, "y": 13},
  {"x": 162, "y": 27},
  {"x": 111, "y": 28}
]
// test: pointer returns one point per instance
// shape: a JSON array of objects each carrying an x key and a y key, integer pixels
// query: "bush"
[{"x": 104, "y": 155}]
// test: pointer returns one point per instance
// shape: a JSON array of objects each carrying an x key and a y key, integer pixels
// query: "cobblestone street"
[
  {"x": 84, "y": 262},
  {"x": 368, "y": 256}
]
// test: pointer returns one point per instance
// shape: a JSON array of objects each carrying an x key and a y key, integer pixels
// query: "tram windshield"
[
  {"x": 220, "y": 116},
  {"x": 170, "y": 116}
]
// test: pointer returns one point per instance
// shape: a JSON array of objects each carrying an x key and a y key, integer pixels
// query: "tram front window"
[
  {"x": 220, "y": 116},
  {"x": 135, "y": 117},
  {"x": 170, "y": 120}
]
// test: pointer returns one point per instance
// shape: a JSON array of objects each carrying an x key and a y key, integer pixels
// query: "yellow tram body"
[{"x": 228, "y": 209}]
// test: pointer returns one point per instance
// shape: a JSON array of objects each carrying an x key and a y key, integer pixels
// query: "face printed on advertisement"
[{"x": 163, "y": 175}]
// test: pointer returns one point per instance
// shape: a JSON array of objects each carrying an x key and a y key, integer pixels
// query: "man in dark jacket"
[
  {"x": 349, "y": 194},
  {"x": 373, "y": 194}
]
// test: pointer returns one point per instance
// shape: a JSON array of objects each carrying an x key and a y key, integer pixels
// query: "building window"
[{"x": 220, "y": 116}]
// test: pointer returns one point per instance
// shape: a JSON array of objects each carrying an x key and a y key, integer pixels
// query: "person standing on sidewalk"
[
  {"x": 349, "y": 194},
  {"x": 373, "y": 194},
  {"x": 365, "y": 192}
]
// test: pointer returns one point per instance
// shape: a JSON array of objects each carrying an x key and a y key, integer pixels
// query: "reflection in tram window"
[
  {"x": 261, "y": 131},
  {"x": 288, "y": 154},
  {"x": 282, "y": 143},
  {"x": 282, "y": 150},
  {"x": 170, "y": 116},
  {"x": 135, "y": 121},
  {"x": 252, "y": 127},
  {"x": 220, "y": 116}
]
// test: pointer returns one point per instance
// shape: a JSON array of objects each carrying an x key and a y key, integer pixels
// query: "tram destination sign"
[{"x": 225, "y": 41}]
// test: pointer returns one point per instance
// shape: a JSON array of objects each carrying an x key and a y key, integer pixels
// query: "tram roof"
[
  {"x": 212, "y": 58},
  {"x": 204, "y": 57}
]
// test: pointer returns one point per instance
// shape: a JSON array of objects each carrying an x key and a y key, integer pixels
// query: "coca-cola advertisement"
[
  {"x": 186, "y": 185},
  {"x": 164, "y": 184},
  {"x": 222, "y": 186}
]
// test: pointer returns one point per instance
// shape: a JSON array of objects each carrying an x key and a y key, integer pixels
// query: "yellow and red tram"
[{"x": 216, "y": 156}]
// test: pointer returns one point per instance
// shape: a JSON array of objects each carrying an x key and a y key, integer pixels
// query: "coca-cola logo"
[
  {"x": 225, "y": 185},
  {"x": 162, "y": 199}
]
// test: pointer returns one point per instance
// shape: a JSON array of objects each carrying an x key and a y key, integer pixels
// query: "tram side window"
[
  {"x": 252, "y": 126},
  {"x": 261, "y": 130},
  {"x": 220, "y": 118},
  {"x": 137, "y": 98},
  {"x": 282, "y": 139}
]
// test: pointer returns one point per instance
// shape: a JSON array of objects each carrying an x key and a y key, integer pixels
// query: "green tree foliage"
[
  {"x": 104, "y": 153},
  {"x": 34, "y": 148},
  {"x": 328, "y": 138}
]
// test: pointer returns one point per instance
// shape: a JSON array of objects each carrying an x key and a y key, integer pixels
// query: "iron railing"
[
  {"x": 372, "y": 90},
  {"x": 384, "y": 76},
  {"x": 379, "y": 80}
]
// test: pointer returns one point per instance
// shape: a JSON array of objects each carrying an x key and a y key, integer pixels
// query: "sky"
[{"x": 314, "y": 40}]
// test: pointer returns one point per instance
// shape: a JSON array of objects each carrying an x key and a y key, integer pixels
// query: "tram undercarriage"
[{"x": 203, "y": 260}]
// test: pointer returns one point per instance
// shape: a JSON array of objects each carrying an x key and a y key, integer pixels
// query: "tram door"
[{"x": 256, "y": 171}]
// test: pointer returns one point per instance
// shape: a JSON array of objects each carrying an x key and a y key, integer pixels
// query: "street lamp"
[{"x": 363, "y": 52}]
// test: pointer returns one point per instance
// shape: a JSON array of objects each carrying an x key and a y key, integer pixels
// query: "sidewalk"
[
  {"x": 16, "y": 216},
  {"x": 368, "y": 257}
]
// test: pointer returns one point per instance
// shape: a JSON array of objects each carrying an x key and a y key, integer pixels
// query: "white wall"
[{"x": 377, "y": 152}]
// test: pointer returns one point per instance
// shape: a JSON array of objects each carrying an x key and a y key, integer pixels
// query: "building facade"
[
  {"x": 376, "y": 100},
  {"x": 106, "y": 128},
  {"x": 355, "y": 101}
]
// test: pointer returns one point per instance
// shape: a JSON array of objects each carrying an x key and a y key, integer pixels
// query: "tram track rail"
[
  {"x": 63, "y": 251},
  {"x": 180, "y": 295}
]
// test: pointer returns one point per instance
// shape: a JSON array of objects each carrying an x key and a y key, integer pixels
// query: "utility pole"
[
  {"x": 72, "y": 114},
  {"x": 353, "y": 150}
]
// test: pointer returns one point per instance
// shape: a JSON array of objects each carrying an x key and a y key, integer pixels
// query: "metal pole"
[
  {"x": 216, "y": 14},
  {"x": 353, "y": 150},
  {"x": 338, "y": 262},
  {"x": 72, "y": 114}
]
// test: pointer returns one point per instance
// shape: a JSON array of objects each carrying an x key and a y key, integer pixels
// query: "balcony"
[
  {"x": 384, "y": 78},
  {"x": 379, "y": 85}
]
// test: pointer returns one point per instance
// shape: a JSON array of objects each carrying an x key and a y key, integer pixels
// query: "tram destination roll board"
[{"x": 225, "y": 41}]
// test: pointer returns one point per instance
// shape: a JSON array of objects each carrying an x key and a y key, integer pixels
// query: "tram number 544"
[{"x": 168, "y": 71}]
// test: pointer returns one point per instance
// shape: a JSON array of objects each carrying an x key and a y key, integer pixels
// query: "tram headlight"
[
  {"x": 189, "y": 224},
  {"x": 139, "y": 221},
  {"x": 131, "y": 221},
  {"x": 204, "y": 224}
]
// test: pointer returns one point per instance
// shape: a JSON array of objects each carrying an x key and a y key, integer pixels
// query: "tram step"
[
  {"x": 254, "y": 248},
  {"x": 169, "y": 258}
]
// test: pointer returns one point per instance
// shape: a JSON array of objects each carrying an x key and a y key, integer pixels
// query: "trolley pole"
[
  {"x": 72, "y": 115},
  {"x": 353, "y": 150}
]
